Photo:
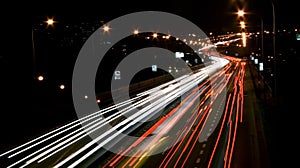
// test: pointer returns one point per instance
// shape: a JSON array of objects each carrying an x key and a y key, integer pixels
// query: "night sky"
[
  {"x": 20, "y": 116},
  {"x": 208, "y": 14}
]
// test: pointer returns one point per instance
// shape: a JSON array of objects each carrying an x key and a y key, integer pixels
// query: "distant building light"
[
  {"x": 117, "y": 75},
  {"x": 154, "y": 68},
  {"x": 297, "y": 36},
  {"x": 179, "y": 54},
  {"x": 98, "y": 101},
  {"x": 261, "y": 66}
]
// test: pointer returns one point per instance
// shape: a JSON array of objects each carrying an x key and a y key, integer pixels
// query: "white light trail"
[{"x": 151, "y": 101}]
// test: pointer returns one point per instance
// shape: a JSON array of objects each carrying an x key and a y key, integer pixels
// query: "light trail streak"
[
  {"x": 214, "y": 97},
  {"x": 171, "y": 123},
  {"x": 172, "y": 112},
  {"x": 221, "y": 87},
  {"x": 81, "y": 120},
  {"x": 220, "y": 132},
  {"x": 150, "y": 102},
  {"x": 164, "y": 120},
  {"x": 36, "y": 152},
  {"x": 170, "y": 153},
  {"x": 149, "y": 111}
]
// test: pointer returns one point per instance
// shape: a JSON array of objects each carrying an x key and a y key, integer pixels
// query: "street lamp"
[
  {"x": 50, "y": 22},
  {"x": 274, "y": 50},
  {"x": 243, "y": 25},
  {"x": 241, "y": 14}
]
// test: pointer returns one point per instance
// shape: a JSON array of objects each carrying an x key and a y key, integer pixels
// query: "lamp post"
[
  {"x": 260, "y": 63},
  {"x": 241, "y": 14},
  {"x": 274, "y": 50},
  {"x": 262, "y": 38}
]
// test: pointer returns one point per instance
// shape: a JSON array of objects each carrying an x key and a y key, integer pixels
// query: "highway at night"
[
  {"x": 189, "y": 121},
  {"x": 157, "y": 84}
]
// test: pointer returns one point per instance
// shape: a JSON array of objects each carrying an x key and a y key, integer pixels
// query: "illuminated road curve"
[{"x": 197, "y": 128}]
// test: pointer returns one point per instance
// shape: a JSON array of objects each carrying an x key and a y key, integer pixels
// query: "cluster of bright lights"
[
  {"x": 241, "y": 14},
  {"x": 106, "y": 29}
]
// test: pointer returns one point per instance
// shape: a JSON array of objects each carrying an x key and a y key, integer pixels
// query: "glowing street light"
[
  {"x": 155, "y": 35},
  {"x": 40, "y": 78},
  {"x": 241, "y": 13},
  {"x": 243, "y": 25},
  {"x": 136, "y": 32},
  {"x": 244, "y": 39},
  {"x": 50, "y": 22},
  {"x": 106, "y": 28},
  {"x": 62, "y": 87}
]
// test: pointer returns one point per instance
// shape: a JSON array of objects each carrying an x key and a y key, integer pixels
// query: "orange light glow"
[
  {"x": 136, "y": 31},
  {"x": 240, "y": 13},
  {"x": 50, "y": 22},
  {"x": 155, "y": 35},
  {"x": 244, "y": 39},
  {"x": 106, "y": 28}
]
